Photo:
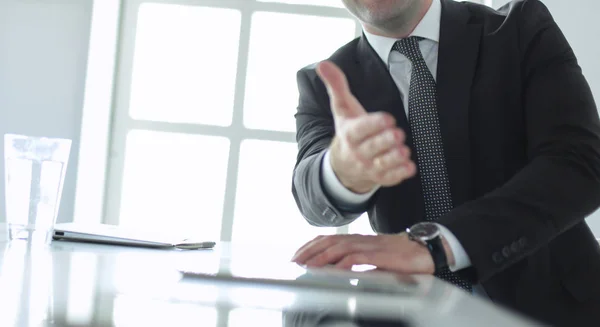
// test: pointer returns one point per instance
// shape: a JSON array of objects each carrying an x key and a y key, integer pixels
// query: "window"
[
  {"x": 203, "y": 130},
  {"x": 185, "y": 59}
]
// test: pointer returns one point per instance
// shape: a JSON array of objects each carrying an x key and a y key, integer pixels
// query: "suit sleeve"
[
  {"x": 560, "y": 185},
  {"x": 314, "y": 132}
]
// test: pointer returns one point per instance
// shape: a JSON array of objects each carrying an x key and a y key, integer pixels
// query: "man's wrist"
[
  {"x": 359, "y": 188},
  {"x": 429, "y": 235},
  {"x": 339, "y": 194}
]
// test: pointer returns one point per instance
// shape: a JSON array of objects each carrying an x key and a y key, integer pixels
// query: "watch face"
[{"x": 425, "y": 231}]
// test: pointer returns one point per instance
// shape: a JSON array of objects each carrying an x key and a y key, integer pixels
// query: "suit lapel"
[
  {"x": 375, "y": 87},
  {"x": 458, "y": 53}
]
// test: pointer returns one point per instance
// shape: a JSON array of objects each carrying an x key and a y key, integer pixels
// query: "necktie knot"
[{"x": 409, "y": 47}]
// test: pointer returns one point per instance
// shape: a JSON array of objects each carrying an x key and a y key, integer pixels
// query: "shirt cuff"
[
  {"x": 461, "y": 258},
  {"x": 337, "y": 191}
]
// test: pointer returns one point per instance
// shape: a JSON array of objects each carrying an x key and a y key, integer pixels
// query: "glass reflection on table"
[{"x": 26, "y": 277}]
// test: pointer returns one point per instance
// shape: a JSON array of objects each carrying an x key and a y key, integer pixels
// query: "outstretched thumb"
[{"x": 343, "y": 103}]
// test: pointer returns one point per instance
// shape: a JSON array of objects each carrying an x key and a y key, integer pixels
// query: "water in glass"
[{"x": 34, "y": 175}]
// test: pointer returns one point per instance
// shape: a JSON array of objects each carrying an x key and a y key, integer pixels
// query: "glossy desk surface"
[{"x": 79, "y": 284}]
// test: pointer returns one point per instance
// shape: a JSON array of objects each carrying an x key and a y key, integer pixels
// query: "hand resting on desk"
[{"x": 393, "y": 253}]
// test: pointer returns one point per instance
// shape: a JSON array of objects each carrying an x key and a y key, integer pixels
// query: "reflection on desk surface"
[
  {"x": 73, "y": 284},
  {"x": 311, "y": 319}
]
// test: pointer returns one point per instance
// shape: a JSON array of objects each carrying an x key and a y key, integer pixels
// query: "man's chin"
[
  {"x": 384, "y": 18},
  {"x": 384, "y": 24}
]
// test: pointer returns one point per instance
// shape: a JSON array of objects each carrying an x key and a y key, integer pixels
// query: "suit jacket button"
[
  {"x": 515, "y": 247},
  {"x": 506, "y": 252},
  {"x": 523, "y": 242},
  {"x": 497, "y": 257}
]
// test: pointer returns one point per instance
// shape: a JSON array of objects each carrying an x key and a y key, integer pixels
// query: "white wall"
[
  {"x": 579, "y": 22},
  {"x": 43, "y": 55}
]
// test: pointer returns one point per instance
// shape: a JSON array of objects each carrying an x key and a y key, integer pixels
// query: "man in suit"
[{"x": 471, "y": 138}]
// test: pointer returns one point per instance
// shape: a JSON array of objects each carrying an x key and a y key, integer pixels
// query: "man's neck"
[{"x": 403, "y": 26}]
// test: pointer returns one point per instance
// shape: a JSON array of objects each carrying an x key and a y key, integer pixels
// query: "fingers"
[
  {"x": 356, "y": 259},
  {"x": 343, "y": 103},
  {"x": 311, "y": 249},
  {"x": 340, "y": 250},
  {"x": 302, "y": 249},
  {"x": 381, "y": 260},
  {"x": 393, "y": 158},
  {"x": 396, "y": 175},
  {"x": 360, "y": 129},
  {"x": 385, "y": 143},
  {"x": 387, "y": 158},
  {"x": 396, "y": 254},
  {"x": 381, "y": 159},
  {"x": 321, "y": 245}
]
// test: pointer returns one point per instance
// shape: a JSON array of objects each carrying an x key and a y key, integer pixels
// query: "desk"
[{"x": 78, "y": 284}]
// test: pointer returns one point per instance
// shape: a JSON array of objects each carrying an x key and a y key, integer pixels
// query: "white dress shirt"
[{"x": 400, "y": 69}]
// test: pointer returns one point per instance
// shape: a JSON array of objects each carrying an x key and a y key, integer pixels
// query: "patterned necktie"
[{"x": 427, "y": 138}]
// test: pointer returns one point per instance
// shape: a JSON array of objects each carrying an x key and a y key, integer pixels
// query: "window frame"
[{"x": 95, "y": 132}]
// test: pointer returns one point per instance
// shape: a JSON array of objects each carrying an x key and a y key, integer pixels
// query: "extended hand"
[
  {"x": 368, "y": 149},
  {"x": 394, "y": 253}
]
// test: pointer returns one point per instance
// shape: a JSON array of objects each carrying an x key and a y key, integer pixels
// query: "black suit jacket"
[{"x": 522, "y": 140}]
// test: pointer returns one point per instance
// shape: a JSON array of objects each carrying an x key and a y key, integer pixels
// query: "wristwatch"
[{"x": 429, "y": 235}]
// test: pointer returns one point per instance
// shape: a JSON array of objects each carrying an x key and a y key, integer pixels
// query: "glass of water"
[{"x": 34, "y": 174}]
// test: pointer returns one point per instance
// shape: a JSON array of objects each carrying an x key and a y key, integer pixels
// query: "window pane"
[
  {"x": 183, "y": 71},
  {"x": 174, "y": 182},
  {"x": 361, "y": 226},
  {"x": 328, "y": 3},
  {"x": 276, "y": 54},
  {"x": 265, "y": 210}
]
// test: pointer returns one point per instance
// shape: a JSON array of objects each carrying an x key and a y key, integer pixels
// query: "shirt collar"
[{"x": 428, "y": 27}]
